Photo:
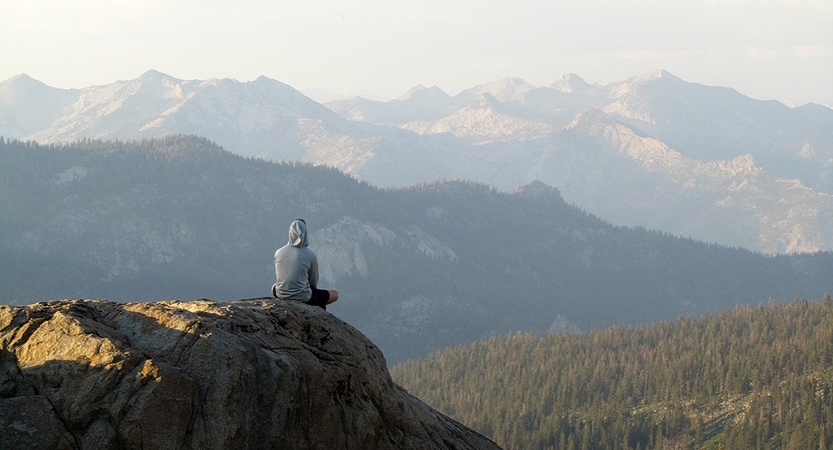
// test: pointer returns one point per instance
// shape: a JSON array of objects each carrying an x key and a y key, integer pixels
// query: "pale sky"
[{"x": 766, "y": 49}]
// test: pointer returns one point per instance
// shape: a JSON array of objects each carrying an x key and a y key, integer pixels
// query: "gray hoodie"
[{"x": 296, "y": 266}]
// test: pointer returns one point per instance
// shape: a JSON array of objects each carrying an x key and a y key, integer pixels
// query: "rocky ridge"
[
  {"x": 506, "y": 134},
  {"x": 243, "y": 374}
]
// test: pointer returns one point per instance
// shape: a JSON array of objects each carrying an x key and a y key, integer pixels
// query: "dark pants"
[{"x": 320, "y": 297}]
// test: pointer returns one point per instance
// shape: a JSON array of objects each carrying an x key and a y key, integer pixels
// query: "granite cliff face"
[{"x": 244, "y": 374}]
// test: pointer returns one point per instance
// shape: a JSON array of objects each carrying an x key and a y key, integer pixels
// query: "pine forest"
[{"x": 748, "y": 378}]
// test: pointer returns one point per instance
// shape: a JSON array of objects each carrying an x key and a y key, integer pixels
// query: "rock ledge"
[{"x": 245, "y": 374}]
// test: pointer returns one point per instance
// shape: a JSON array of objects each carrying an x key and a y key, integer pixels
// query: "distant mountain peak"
[
  {"x": 20, "y": 78},
  {"x": 23, "y": 81},
  {"x": 504, "y": 90},
  {"x": 511, "y": 82},
  {"x": 28, "y": 105},
  {"x": 591, "y": 115},
  {"x": 153, "y": 73},
  {"x": 154, "y": 76},
  {"x": 423, "y": 92},
  {"x": 653, "y": 75},
  {"x": 571, "y": 83}
]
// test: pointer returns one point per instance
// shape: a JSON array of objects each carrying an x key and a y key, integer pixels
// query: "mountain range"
[
  {"x": 654, "y": 150},
  {"x": 419, "y": 268}
]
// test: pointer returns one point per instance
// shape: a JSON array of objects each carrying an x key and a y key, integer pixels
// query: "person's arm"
[{"x": 313, "y": 271}]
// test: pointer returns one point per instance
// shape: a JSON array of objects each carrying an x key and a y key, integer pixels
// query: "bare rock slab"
[{"x": 249, "y": 374}]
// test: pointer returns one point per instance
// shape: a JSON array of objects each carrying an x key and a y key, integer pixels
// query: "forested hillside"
[
  {"x": 419, "y": 269},
  {"x": 747, "y": 378},
  {"x": 652, "y": 151}
]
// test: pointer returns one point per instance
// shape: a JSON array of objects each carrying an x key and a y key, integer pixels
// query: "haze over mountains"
[
  {"x": 418, "y": 269},
  {"x": 653, "y": 150}
]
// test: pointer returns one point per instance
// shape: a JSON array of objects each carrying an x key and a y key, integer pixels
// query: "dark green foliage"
[
  {"x": 179, "y": 217},
  {"x": 741, "y": 379},
  {"x": 212, "y": 218}
]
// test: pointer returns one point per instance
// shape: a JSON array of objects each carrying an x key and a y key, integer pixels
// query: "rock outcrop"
[{"x": 245, "y": 374}]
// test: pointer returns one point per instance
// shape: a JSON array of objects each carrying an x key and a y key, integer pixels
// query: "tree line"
[
  {"x": 751, "y": 377},
  {"x": 179, "y": 217}
]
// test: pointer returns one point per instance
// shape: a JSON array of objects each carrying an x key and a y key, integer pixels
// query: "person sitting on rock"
[{"x": 296, "y": 268}]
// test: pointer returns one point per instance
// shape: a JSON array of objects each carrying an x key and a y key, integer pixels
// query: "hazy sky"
[{"x": 779, "y": 49}]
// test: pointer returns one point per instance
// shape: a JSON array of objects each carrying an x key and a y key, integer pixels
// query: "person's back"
[
  {"x": 296, "y": 266},
  {"x": 296, "y": 270}
]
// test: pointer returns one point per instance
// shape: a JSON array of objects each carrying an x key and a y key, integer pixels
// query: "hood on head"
[{"x": 298, "y": 234}]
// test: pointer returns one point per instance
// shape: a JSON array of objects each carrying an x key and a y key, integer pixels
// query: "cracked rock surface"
[{"x": 80, "y": 374}]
